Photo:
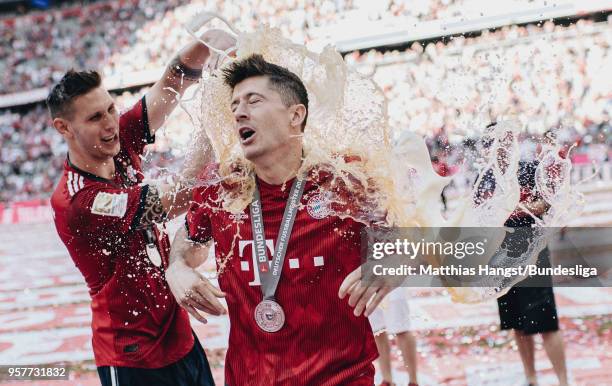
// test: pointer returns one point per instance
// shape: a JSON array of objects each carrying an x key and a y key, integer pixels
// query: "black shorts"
[
  {"x": 192, "y": 370},
  {"x": 529, "y": 309}
]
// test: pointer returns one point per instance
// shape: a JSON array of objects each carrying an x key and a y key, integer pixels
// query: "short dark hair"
[
  {"x": 72, "y": 85},
  {"x": 285, "y": 82}
]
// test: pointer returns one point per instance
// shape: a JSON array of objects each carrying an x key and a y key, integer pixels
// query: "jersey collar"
[{"x": 87, "y": 174}]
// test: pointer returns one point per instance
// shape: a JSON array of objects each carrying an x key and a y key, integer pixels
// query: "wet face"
[
  {"x": 263, "y": 123},
  {"x": 92, "y": 126}
]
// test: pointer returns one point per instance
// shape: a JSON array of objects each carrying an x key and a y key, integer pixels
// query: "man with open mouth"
[
  {"x": 107, "y": 218},
  {"x": 285, "y": 282}
]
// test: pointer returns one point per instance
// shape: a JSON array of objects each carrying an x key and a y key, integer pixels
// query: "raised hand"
[{"x": 221, "y": 44}]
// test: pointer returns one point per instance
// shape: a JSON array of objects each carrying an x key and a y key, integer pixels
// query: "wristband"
[{"x": 178, "y": 68}]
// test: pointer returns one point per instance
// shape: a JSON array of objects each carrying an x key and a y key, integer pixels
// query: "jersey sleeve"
[
  {"x": 115, "y": 209},
  {"x": 134, "y": 132},
  {"x": 197, "y": 220}
]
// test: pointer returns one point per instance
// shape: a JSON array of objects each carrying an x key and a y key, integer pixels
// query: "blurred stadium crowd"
[
  {"x": 38, "y": 47},
  {"x": 549, "y": 76}
]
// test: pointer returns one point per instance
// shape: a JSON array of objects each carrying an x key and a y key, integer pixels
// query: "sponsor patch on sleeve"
[{"x": 110, "y": 204}]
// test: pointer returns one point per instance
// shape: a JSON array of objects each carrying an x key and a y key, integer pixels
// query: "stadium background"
[{"x": 448, "y": 67}]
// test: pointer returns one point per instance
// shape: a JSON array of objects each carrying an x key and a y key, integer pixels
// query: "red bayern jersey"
[
  {"x": 322, "y": 342},
  {"x": 136, "y": 321}
]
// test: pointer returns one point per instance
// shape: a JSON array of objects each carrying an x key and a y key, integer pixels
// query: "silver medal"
[{"x": 269, "y": 316}]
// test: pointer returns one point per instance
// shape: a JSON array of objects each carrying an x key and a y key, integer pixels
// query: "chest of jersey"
[{"x": 321, "y": 249}]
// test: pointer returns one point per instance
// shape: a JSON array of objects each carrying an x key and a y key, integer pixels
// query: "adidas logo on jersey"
[
  {"x": 75, "y": 182},
  {"x": 238, "y": 217}
]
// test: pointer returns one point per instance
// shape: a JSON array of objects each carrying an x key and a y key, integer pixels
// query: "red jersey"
[
  {"x": 136, "y": 321},
  {"x": 321, "y": 342}
]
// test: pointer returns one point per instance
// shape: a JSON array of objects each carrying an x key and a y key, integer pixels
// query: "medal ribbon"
[{"x": 270, "y": 276}]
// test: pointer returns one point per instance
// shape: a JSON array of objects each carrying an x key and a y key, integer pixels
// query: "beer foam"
[{"x": 348, "y": 136}]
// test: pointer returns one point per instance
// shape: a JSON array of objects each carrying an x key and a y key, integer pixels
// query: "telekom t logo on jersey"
[{"x": 247, "y": 265}]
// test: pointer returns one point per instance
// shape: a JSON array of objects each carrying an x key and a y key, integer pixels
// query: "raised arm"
[
  {"x": 192, "y": 290},
  {"x": 184, "y": 70},
  {"x": 166, "y": 201},
  {"x": 131, "y": 208}
]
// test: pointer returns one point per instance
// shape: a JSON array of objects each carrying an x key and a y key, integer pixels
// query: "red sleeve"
[
  {"x": 197, "y": 220},
  {"x": 109, "y": 209},
  {"x": 134, "y": 132}
]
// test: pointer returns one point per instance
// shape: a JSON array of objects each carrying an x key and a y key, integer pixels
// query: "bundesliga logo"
[{"x": 318, "y": 207}]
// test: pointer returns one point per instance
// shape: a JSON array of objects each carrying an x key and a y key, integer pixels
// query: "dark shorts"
[
  {"x": 531, "y": 310},
  {"x": 192, "y": 370}
]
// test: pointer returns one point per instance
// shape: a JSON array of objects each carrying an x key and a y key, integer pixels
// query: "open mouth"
[
  {"x": 110, "y": 139},
  {"x": 246, "y": 133}
]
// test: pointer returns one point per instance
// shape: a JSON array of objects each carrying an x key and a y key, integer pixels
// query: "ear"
[
  {"x": 63, "y": 127},
  {"x": 297, "y": 115}
]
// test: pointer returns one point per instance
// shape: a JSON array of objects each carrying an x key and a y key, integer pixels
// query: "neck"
[
  {"x": 104, "y": 169},
  {"x": 278, "y": 169}
]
